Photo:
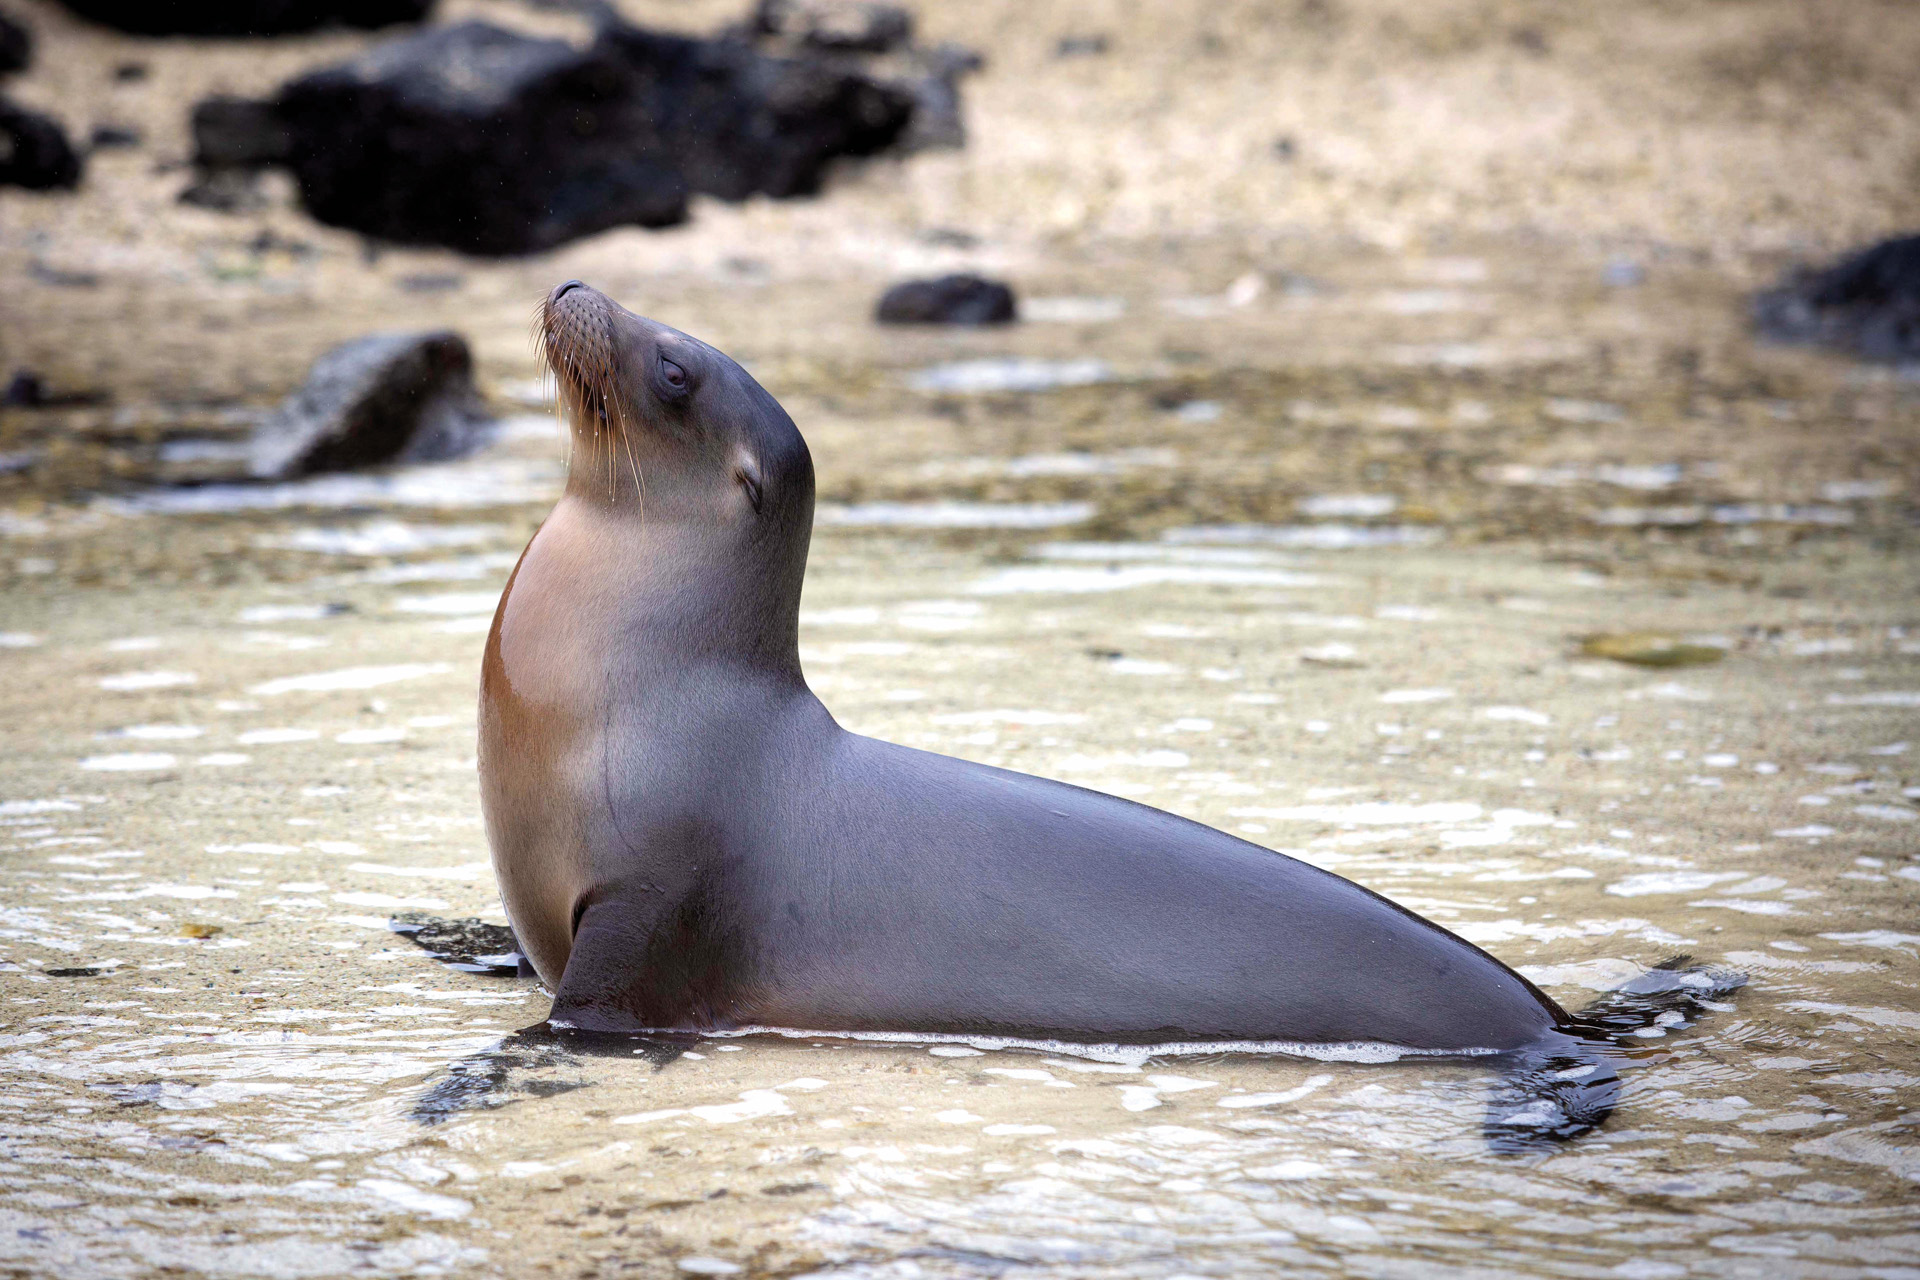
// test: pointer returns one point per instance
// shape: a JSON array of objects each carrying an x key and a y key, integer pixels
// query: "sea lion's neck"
[{"x": 680, "y": 591}]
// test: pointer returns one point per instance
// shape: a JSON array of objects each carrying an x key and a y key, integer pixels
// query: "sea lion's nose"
[{"x": 561, "y": 292}]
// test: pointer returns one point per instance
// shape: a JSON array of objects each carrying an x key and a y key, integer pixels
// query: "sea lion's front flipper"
[{"x": 640, "y": 964}]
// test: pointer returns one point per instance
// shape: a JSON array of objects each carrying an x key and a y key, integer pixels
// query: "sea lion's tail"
[{"x": 1569, "y": 1083}]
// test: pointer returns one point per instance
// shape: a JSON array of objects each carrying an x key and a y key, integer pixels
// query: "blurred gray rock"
[
  {"x": 1867, "y": 303},
  {"x": 398, "y": 397},
  {"x": 955, "y": 299}
]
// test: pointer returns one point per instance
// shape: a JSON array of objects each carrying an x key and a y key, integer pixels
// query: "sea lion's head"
[{"x": 668, "y": 425}]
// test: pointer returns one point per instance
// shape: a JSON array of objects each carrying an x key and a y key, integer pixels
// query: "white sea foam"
[
  {"x": 414, "y": 1200},
  {"x": 754, "y": 1104},
  {"x": 465, "y": 484},
  {"x": 362, "y": 737},
  {"x": 1009, "y": 373},
  {"x": 1415, "y": 695},
  {"x": 1128, "y": 1055},
  {"x": 1315, "y": 537},
  {"x": 129, "y": 762},
  {"x": 457, "y": 602},
  {"x": 1351, "y": 506},
  {"x": 1072, "y": 309},
  {"x": 1884, "y": 698},
  {"x": 954, "y": 515},
  {"x": 1671, "y": 882},
  {"x": 1079, "y": 580},
  {"x": 265, "y": 613},
  {"x": 1240, "y": 1100},
  {"x": 156, "y": 732},
  {"x": 1161, "y": 553},
  {"x": 1371, "y": 813},
  {"x": 268, "y": 737},
  {"x": 349, "y": 678},
  {"x": 464, "y": 871},
  {"x": 382, "y": 538},
  {"x": 136, "y": 681}
]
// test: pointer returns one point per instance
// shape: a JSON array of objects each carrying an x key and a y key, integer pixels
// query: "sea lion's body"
[{"x": 684, "y": 837}]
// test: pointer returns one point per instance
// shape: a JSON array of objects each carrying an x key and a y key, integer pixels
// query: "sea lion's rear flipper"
[
  {"x": 1667, "y": 997},
  {"x": 1556, "y": 1090},
  {"x": 1569, "y": 1082}
]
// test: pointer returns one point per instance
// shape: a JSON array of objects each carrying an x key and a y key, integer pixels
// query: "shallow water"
[{"x": 216, "y": 1056}]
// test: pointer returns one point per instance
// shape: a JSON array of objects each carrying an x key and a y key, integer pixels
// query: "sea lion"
[{"x": 686, "y": 840}]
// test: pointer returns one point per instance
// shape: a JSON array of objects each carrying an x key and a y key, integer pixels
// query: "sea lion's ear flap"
[{"x": 746, "y": 470}]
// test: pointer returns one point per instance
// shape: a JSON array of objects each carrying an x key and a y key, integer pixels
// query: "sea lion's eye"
[
  {"x": 675, "y": 376},
  {"x": 751, "y": 483}
]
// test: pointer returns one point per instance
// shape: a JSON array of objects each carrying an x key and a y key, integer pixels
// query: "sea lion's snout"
[{"x": 576, "y": 329}]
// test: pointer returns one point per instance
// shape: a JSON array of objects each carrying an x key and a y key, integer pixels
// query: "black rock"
[
  {"x": 400, "y": 397},
  {"x": 238, "y": 133},
  {"x": 108, "y": 136},
  {"x": 856, "y": 26},
  {"x": 16, "y": 45},
  {"x": 741, "y": 123},
  {"x": 1868, "y": 303},
  {"x": 482, "y": 140},
  {"x": 24, "y": 390},
  {"x": 34, "y": 151},
  {"x": 956, "y": 299},
  {"x": 493, "y": 142},
  {"x": 245, "y": 17}
]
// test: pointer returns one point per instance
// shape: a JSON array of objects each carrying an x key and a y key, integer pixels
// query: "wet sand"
[{"x": 1292, "y": 519}]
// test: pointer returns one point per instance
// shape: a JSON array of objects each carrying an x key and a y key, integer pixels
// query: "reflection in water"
[{"x": 528, "y": 1064}]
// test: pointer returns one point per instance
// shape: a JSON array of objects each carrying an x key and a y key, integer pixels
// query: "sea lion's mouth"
[{"x": 575, "y": 331}]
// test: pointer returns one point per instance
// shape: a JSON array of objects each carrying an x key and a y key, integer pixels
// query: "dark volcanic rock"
[
  {"x": 34, "y": 151},
  {"x": 481, "y": 140},
  {"x": 405, "y": 397},
  {"x": 740, "y": 123},
  {"x": 493, "y": 142},
  {"x": 16, "y": 45},
  {"x": 857, "y": 26},
  {"x": 108, "y": 136},
  {"x": 238, "y": 133},
  {"x": 956, "y": 299},
  {"x": 25, "y": 390},
  {"x": 245, "y": 17},
  {"x": 1868, "y": 303}
]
